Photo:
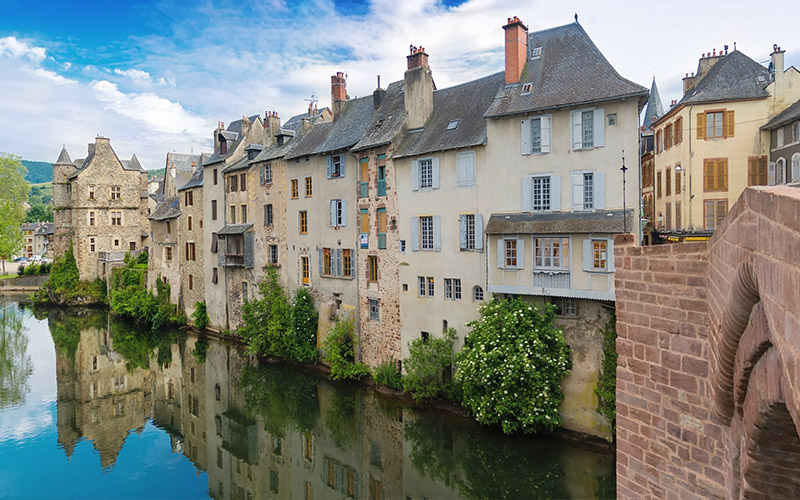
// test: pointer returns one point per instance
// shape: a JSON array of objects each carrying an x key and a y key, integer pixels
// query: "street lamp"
[{"x": 624, "y": 205}]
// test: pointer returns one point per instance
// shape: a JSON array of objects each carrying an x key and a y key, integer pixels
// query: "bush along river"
[{"x": 94, "y": 407}]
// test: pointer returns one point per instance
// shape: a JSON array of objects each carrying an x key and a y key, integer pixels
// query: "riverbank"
[{"x": 22, "y": 283}]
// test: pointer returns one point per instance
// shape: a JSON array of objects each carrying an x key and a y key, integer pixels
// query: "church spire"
[{"x": 654, "y": 107}]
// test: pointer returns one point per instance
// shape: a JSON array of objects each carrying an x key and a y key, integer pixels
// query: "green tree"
[
  {"x": 39, "y": 213},
  {"x": 13, "y": 193},
  {"x": 429, "y": 365},
  {"x": 15, "y": 362},
  {"x": 304, "y": 320}
]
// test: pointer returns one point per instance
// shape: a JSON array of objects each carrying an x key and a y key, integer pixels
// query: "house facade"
[{"x": 784, "y": 146}]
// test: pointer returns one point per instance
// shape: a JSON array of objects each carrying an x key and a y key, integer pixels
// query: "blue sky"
[{"x": 157, "y": 76}]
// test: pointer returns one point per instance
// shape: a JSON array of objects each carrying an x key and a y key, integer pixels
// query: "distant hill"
[
  {"x": 38, "y": 171},
  {"x": 156, "y": 174}
]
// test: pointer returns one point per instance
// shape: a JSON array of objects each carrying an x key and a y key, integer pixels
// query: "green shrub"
[
  {"x": 64, "y": 272},
  {"x": 44, "y": 268},
  {"x": 340, "y": 352},
  {"x": 130, "y": 298},
  {"x": 606, "y": 390},
  {"x": 387, "y": 374},
  {"x": 200, "y": 350},
  {"x": 63, "y": 284},
  {"x": 200, "y": 315},
  {"x": 31, "y": 270},
  {"x": 429, "y": 365},
  {"x": 304, "y": 322},
  {"x": 266, "y": 322},
  {"x": 511, "y": 366}
]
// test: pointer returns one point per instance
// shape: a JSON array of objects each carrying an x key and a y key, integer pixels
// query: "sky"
[{"x": 156, "y": 76}]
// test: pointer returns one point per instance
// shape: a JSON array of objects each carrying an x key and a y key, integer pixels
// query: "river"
[{"x": 92, "y": 407}]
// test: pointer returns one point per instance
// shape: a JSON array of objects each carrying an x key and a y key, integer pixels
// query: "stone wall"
[{"x": 189, "y": 295}]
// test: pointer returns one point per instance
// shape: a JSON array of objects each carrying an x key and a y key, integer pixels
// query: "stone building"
[
  {"x": 192, "y": 242},
  {"x": 37, "y": 239},
  {"x": 652, "y": 112},
  {"x": 784, "y": 146},
  {"x": 100, "y": 205}
]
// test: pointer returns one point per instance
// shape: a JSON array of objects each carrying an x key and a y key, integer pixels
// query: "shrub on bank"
[
  {"x": 512, "y": 365},
  {"x": 63, "y": 286},
  {"x": 131, "y": 299},
  {"x": 340, "y": 352},
  {"x": 387, "y": 374},
  {"x": 606, "y": 390},
  {"x": 200, "y": 315},
  {"x": 429, "y": 365}
]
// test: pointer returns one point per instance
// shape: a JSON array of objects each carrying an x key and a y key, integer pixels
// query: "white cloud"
[
  {"x": 18, "y": 49},
  {"x": 134, "y": 74},
  {"x": 53, "y": 77}
]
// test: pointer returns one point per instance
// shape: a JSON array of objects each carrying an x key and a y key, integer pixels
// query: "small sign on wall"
[{"x": 364, "y": 240}]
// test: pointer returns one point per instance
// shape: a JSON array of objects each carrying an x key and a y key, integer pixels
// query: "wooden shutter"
[
  {"x": 577, "y": 191},
  {"x": 708, "y": 175},
  {"x": 577, "y": 130},
  {"x": 437, "y": 233},
  {"x": 525, "y": 137},
  {"x": 414, "y": 233},
  {"x": 415, "y": 175},
  {"x": 599, "y": 127},
  {"x": 701, "y": 125},
  {"x": 599, "y": 190},
  {"x": 545, "y": 132},
  {"x": 462, "y": 232},
  {"x": 555, "y": 193},
  {"x": 527, "y": 193},
  {"x": 501, "y": 250},
  {"x": 728, "y": 128},
  {"x": 328, "y": 166},
  {"x": 435, "y": 173},
  {"x": 722, "y": 175},
  {"x": 478, "y": 232}
]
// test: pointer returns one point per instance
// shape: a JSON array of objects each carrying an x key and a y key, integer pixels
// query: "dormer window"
[
  {"x": 526, "y": 88},
  {"x": 223, "y": 147},
  {"x": 453, "y": 124},
  {"x": 536, "y": 53}
]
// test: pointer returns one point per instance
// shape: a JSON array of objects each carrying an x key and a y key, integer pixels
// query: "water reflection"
[
  {"x": 15, "y": 362},
  {"x": 270, "y": 431}
]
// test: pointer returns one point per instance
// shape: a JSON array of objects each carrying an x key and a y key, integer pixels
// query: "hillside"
[
  {"x": 38, "y": 171},
  {"x": 156, "y": 174}
]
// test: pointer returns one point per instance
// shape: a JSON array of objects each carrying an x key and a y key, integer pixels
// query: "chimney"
[
  {"x": 90, "y": 149},
  {"x": 516, "y": 48},
  {"x": 338, "y": 94},
  {"x": 194, "y": 167},
  {"x": 272, "y": 124},
  {"x": 707, "y": 61},
  {"x": 418, "y": 99},
  {"x": 305, "y": 124},
  {"x": 220, "y": 128},
  {"x": 777, "y": 63},
  {"x": 688, "y": 82}
]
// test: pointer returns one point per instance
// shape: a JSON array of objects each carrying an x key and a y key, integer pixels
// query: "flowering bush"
[{"x": 511, "y": 366}]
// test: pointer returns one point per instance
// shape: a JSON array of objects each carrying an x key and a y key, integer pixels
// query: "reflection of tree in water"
[
  {"x": 15, "y": 362},
  {"x": 138, "y": 344},
  {"x": 340, "y": 419},
  {"x": 284, "y": 399},
  {"x": 481, "y": 464},
  {"x": 66, "y": 325}
]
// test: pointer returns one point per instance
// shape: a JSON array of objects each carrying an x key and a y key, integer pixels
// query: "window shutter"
[
  {"x": 599, "y": 127},
  {"x": 577, "y": 130},
  {"x": 352, "y": 263},
  {"x": 471, "y": 161},
  {"x": 555, "y": 193},
  {"x": 771, "y": 174},
  {"x": 338, "y": 255},
  {"x": 525, "y": 137},
  {"x": 415, "y": 234},
  {"x": 415, "y": 175},
  {"x": 599, "y": 190},
  {"x": 435, "y": 172},
  {"x": 328, "y": 166},
  {"x": 343, "y": 160},
  {"x": 610, "y": 254},
  {"x": 546, "y": 134},
  {"x": 461, "y": 170},
  {"x": 261, "y": 175},
  {"x": 795, "y": 168},
  {"x": 462, "y": 232},
  {"x": 527, "y": 192},
  {"x": 437, "y": 233},
  {"x": 520, "y": 253},
  {"x": 478, "y": 232},
  {"x": 729, "y": 124},
  {"x": 577, "y": 191},
  {"x": 319, "y": 254},
  {"x": 344, "y": 213},
  {"x": 333, "y": 213},
  {"x": 701, "y": 125},
  {"x": 587, "y": 254},
  {"x": 500, "y": 253}
]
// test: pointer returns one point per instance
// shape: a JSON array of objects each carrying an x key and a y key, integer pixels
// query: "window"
[
  {"x": 244, "y": 214},
  {"x": 338, "y": 213},
  {"x": 243, "y": 182},
  {"x": 326, "y": 261},
  {"x": 273, "y": 481},
  {"x": 305, "y": 269},
  {"x": 244, "y": 291},
  {"x": 668, "y": 138},
  {"x": 781, "y": 175},
  {"x": 422, "y": 285},
  {"x": 168, "y": 227},
  {"x": 678, "y": 183},
  {"x": 678, "y": 131},
  {"x": 477, "y": 294},
  {"x": 364, "y": 221},
  {"x": 116, "y": 192},
  {"x": 715, "y": 174},
  {"x": 336, "y": 166},
  {"x": 167, "y": 254},
  {"x": 588, "y": 190},
  {"x": 669, "y": 216},
  {"x": 268, "y": 214},
  {"x": 550, "y": 252},
  {"x": 612, "y": 119},
  {"x": 452, "y": 288},
  {"x": 347, "y": 263},
  {"x": 599, "y": 255},
  {"x": 308, "y": 187},
  {"x": 678, "y": 218},
  {"x": 426, "y": 174},
  {"x": 796, "y": 132},
  {"x": 382, "y": 228},
  {"x": 363, "y": 185},
  {"x": 303, "y": 222},
  {"x": 779, "y": 137},
  {"x": 273, "y": 254},
  {"x": 233, "y": 214},
  {"x": 91, "y": 192},
  {"x": 587, "y": 122},
  {"x": 713, "y": 124},
  {"x": 188, "y": 198},
  {"x": 91, "y": 244},
  {"x": 714, "y": 212},
  {"x": 658, "y": 184},
  {"x": 295, "y": 189},
  {"x": 191, "y": 282},
  {"x": 453, "y": 124},
  {"x": 668, "y": 182},
  {"x": 536, "y": 135},
  {"x": 588, "y": 128},
  {"x": 470, "y": 232},
  {"x": 757, "y": 171},
  {"x": 189, "y": 223},
  {"x": 190, "y": 251},
  {"x": 381, "y": 179},
  {"x": 91, "y": 218},
  {"x": 426, "y": 232},
  {"x": 216, "y": 177},
  {"x": 541, "y": 193},
  {"x": 465, "y": 166},
  {"x": 233, "y": 183},
  {"x": 795, "y": 168},
  {"x": 215, "y": 275},
  {"x": 214, "y": 209},
  {"x": 372, "y": 268},
  {"x": 659, "y": 141},
  {"x": 510, "y": 252},
  {"x": 564, "y": 306}
]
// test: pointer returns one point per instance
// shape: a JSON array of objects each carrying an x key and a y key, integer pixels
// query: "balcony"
[
  {"x": 234, "y": 260},
  {"x": 551, "y": 279}
]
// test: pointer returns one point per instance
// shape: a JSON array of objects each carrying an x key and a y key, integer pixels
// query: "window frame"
[
  {"x": 711, "y": 181},
  {"x": 718, "y": 219},
  {"x": 597, "y": 254},
  {"x": 309, "y": 188},
  {"x": 303, "y": 221},
  {"x": 295, "y": 189},
  {"x": 374, "y": 309},
  {"x": 426, "y": 234},
  {"x": 544, "y": 250},
  {"x": 425, "y": 164}
]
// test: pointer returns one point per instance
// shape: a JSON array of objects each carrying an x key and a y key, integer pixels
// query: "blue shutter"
[
  {"x": 415, "y": 234},
  {"x": 546, "y": 134},
  {"x": 577, "y": 191},
  {"x": 437, "y": 233},
  {"x": 415, "y": 175},
  {"x": 555, "y": 193},
  {"x": 462, "y": 232},
  {"x": 575, "y": 129},
  {"x": 333, "y": 213},
  {"x": 520, "y": 253},
  {"x": 500, "y": 251},
  {"x": 587, "y": 254},
  {"x": 478, "y": 232},
  {"x": 527, "y": 192},
  {"x": 435, "y": 171},
  {"x": 599, "y": 190},
  {"x": 343, "y": 159},
  {"x": 471, "y": 161},
  {"x": 525, "y": 137},
  {"x": 599, "y": 127},
  {"x": 328, "y": 166},
  {"x": 344, "y": 212},
  {"x": 319, "y": 254},
  {"x": 352, "y": 263},
  {"x": 339, "y": 261},
  {"x": 610, "y": 256},
  {"x": 261, "y": 175}
]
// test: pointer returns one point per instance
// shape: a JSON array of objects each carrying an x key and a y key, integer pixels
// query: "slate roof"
[
  {"x": 232, "y": 133},
  {"x": 63, "y": 157},
  {"x": 342, "y": 133},
  {"x": 733, "y": 77},
  {"x": 243, "y": 162},
  {"x": 295, "y": 123},
  {"x": 46, "y": 228},
  {"x": 183, "y": 166},
  {"x": 570, "y": 71},
  {"x": 275, "y": 151},
  {"x": 387, "y": 121},
  {"x": 655, "y": 108},
  {"x": 195, "y": 181},
  {"x": 787, "y": 116},
  {"x": 133, "y": 164},
  {"x": 170, "y": 208},
  {"x": 228, "y": 229},
  {"x": 465, "y": 103},
  {"x": 82, "y": 164},
  {"x": 601, "y": 221}
]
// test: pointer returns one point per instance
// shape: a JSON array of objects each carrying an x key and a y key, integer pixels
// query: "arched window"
[
  {"x": 477, "y": 294},
  {"x": 780, "y": 171},
  {"x": 795, "y": 168}
]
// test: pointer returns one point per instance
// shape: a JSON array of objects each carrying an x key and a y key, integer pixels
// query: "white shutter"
[
  {"x": 352, "y": 263},
  {"x": 599, "y": 190},
  {"x": 261, "y": 175},
  {"x": 437, "y": 233},
  {"x": 471, "y": 161},
  {"x": 461, "y": 171},
  {"x": 610, "y": 255},
  {"x": 338, "y": 254},
  {"x": 435, "y": 172},
  {"x": 771, "y": 174},
  {"x": 587, "y": 254},
  {"x": 333, "y": 213},
  {"x": 546, "y": 133},
  {"x": 344, "y": 213},
  {"x": 462, "y": 232},
  {"x": 577, "y": 191},
  {"x": 796, "y": 168},
  {"x": 343, "y": 160},
  {"x": 319, "y": 254},
  {"x": 577, "y": 130},
  {"x": 500, "y": 251},
  {"x": 527, "y": 192},
  {"x": 415, "y": 175},
  {"x": 520, "y": 253},
  {"x": 478, "y": 232},
  {"x": 328, "y": 166},
  {"x": 555, "y": 193},
  {"x": 414, "y": 233},
  {"x": 599, "y": 127},
  {"x": 525, "y": 137}
]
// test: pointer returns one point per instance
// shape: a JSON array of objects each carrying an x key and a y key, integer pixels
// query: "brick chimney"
[
  {"x": 418, "y": 99},
  {"x": 338, "y": 94},
  {"x": 272, "y": 124},
  {"x": 707, "y": 61},
  {"x": 516, "y": 48},
  {"x": 688, "y": 82}
]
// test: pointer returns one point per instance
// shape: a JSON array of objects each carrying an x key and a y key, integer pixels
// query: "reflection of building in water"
[{"x": 98, "y": 398}]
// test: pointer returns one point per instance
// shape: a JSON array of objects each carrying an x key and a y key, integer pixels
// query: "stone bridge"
[{"x": 708, "y": 380}]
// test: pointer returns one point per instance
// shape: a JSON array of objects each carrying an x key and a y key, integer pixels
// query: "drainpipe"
[
  {"x": 691, "y": 154},
  {"x": 357, "y": 248}
]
